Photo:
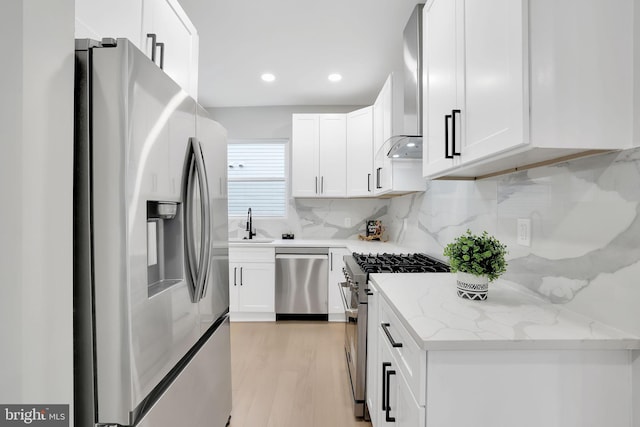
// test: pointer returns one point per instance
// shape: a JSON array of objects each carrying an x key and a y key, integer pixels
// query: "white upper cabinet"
[
  {"x": 177, "y": 53},
  {"x": 360, "y": 153},
  {"x": 512, "y": 83},
  {"x": 392, "y": 176},
  {"x": 319, "y": 149},
  {"x": 116, "y": 18},
  {"x": 133, "y": 20},
  {"x": 386, "y": 123}
]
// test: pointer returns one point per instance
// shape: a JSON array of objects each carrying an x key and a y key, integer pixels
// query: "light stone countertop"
[
  {"x": 353, "y": 245},
  {"x": 429, "y": 308}
]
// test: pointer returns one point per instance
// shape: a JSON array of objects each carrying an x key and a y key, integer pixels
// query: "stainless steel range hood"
[{"x": 409, "y": 143}]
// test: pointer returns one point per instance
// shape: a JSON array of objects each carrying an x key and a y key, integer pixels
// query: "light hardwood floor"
[{"x": 290, "y": 374}]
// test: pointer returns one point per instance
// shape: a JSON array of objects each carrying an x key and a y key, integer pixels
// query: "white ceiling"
[{"x": 301, "y": 42}]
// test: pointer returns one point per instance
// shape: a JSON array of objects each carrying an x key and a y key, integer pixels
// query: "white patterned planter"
[{"x": 472, "y": 287}]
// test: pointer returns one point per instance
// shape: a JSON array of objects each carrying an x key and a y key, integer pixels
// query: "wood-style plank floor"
[{"x": 290, "y": 374}]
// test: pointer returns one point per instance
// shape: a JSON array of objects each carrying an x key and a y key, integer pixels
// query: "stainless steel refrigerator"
[{"x": 151, "y": 296}]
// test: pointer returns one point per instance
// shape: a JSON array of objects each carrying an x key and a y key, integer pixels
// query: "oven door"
[{"x": 353, "y": 335}]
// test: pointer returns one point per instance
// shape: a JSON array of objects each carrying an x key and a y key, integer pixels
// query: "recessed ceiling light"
[
  {"x": 335, "y": 77},
  {"x": 268, "y": 77},
  {"x": 411, "y": 144}
]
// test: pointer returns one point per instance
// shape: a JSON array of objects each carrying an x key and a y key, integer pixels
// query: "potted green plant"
[{"x": 477, "y": 260}]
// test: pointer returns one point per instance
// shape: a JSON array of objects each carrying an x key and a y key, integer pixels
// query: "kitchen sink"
[{"x": 259, "y": 240}]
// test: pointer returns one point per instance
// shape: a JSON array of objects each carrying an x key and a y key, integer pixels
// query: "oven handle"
[{"x": 350, "y": 313}]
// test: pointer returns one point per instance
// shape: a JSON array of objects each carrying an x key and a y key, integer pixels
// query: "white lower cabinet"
[
  {"x": 336, "y": 276},
  {"x": 393, "y": 371},
  {"x": 252, "y": 284},
  {"x": 470, "y": 387}
]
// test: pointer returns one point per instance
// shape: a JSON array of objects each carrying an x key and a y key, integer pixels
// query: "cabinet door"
[
  {"x": 383, "y": 128},
  {"x": 443, "y": 67},
  {"x": 336, "y": 276},
  {"x": 333, "y": 155},
  {"x": 305, "y": 150},
  {"x": 116, "y": 18},
  {"x": 234, "y": 285},
  {"x": 407, "y": 411},
  {"x": 256, "y": 282},
  {"x": 360, "y": 152},
  {"x": 387, "y": 382},
  {"x": 495, "y": 68},
  {"x": 373, "y": 377},
  {"x": 169, "y": 22}
]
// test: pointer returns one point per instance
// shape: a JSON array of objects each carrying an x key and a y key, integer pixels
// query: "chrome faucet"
[{"x": 250, "y": 231}]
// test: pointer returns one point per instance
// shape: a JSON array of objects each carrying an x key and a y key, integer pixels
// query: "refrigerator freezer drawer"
[{"x": 201, "y": 394}]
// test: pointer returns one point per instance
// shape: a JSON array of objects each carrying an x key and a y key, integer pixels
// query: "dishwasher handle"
[{"x": 301, "y": 256}]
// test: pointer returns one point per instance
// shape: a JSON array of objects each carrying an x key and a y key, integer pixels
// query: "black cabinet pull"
[
  {"x": 387, "y": 410},
  {"x": 385, "y": 328},
  {"x": 235, "y": 269},
  {"x": 453, "y": 131},
  {"x": 152, "y": 36},
  {"x": 241, "y": 275},
  {"x": 369, "y": 182},
  {"x": 385, "y": 365},
  {"x": 446, "y": 137},
  {"x": 161, "y": 55},
  {"x": 316, "y": 185},
  {"x": 378, "y": 170}
]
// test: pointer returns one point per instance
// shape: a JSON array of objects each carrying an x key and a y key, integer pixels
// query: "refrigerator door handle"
[
  {"x": 190, "y": 262},
  {"x": 205, "y": 209}
]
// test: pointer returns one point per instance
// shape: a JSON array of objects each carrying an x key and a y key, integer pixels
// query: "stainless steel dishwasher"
[{"x": 302, "y": 277}]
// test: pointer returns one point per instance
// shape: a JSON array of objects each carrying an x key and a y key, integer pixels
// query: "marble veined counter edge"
[
  {"x": 428, "y": 307},
  {"x": 352, "y": 245}
]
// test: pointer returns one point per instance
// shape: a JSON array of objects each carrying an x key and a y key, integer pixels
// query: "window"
[{"x": 257, "y": 177}]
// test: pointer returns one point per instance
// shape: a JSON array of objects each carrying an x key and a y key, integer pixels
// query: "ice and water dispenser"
[{"x": 164, "y": 245}]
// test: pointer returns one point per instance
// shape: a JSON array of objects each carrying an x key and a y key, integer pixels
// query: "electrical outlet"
[
  {"x": 523, "y": 232},
  {"x": 347, "y": 222}
]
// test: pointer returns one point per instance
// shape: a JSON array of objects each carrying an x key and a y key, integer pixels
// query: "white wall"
[{"x": 36, "y": 183}]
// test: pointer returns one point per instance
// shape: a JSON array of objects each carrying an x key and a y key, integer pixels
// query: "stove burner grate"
[{"x": 399, "y": 263}]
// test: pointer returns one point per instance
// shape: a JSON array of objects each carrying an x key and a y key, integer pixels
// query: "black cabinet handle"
[
  {"x": 385, "y": 328},
  {"x": 161, "y": 55},
  {"x": 385, "y": 365},
  {"x": 453, "y": 131},
  {"x": 378, "y": 170},
  {"x": 387, "y": 410},
  {"x": 316, "y": 185},
  {"x": 369, "y": 182},
  {"x": 152, "y": 36},
  {"x": 322, "y": 185},
  {"x": 446, "y": 137},
  {"x": 235, "y": 269},
  {"x": 241, "y": 275}
]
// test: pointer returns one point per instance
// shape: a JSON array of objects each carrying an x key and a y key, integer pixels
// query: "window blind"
[{"x": 257, "y": 175}]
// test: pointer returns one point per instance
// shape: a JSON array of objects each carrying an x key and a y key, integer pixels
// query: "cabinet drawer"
[
  {"x": 412, "y": 360},
  {"x": 245, "y": 254}
]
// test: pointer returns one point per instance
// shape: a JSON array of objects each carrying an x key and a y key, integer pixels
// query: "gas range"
[
  {"x": 355, "y": 294},
  {"x": 399, "y": 263}
]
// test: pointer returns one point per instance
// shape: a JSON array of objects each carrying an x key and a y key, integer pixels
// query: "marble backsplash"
[
  {"x": 585, "y": 233},
  {"x": 317, "y": 219}
]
